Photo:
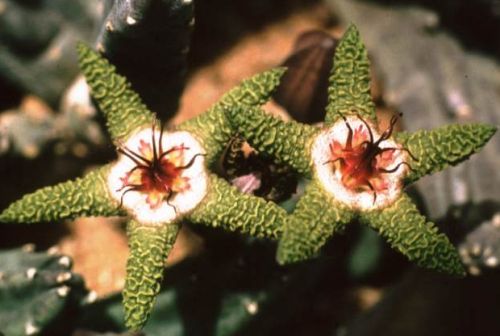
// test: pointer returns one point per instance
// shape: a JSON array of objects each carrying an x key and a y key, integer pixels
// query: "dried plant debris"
[{"x": 303, "y": 88}]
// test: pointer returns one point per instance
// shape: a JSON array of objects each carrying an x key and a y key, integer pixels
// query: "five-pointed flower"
[
  {"x": 358, "y": 171},
  {"x": 160, "y": 178}
]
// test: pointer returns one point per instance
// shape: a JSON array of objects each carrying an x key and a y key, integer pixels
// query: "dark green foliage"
[
  {"x": 38, "y": 292},
  {"x": 37, "y": 41},
  {"x": 148, "y": 41}
]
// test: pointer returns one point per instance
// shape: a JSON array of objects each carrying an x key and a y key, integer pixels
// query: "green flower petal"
[
  {"x": 408, "y": 231},
  {"x": 149, "y": 248},
  {"x": 213, "y": 128},
  {"x": 349, "y": 89},
  {"x": 288, "y": 142},
  {"x": 437, "y": 149},
  {"x": 314, "y": 221},
  {"x": 122, "y": 107},
  {"x": 226, "y": 207},
  {"x": 83, "y": 197}
]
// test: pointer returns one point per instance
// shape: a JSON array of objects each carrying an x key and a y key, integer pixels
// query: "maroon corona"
[
  {"x": 361, "y": 167},
  {"x": 156, "y": 171}
]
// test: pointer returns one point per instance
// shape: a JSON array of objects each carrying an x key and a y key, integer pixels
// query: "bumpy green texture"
[
  {"x": 349, "y": 83},
  {"x": 37, "y": 292},
  {"x": 223, "y": 206},
  {"x": 123, "y": 108},
  {"x": 87, "y": 196},
  {"x": 319, "y": 213},
  {"x": 213, "y": 127},
  {"x": 149, "y": 247},
  {"x": 410, "y": 233},
  {"x": 288, "y": 142},
  {"x": 448, "y": 145},
  {"x": 227, "y": 208},
  {"x": 330, "y": 218}
]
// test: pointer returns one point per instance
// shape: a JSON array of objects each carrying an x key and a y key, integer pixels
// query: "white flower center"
[
  {"x": 358, "y": 167},
  {"x": 159, "y": 177}
]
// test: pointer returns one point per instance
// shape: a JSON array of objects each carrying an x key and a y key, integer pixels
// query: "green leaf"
[
  {"x": 315, "y": 220},
  {"x": 442, "y": 147},
  {"x": 83, "y": 197},
  {"x": 123, "y": 108},
  {"x": 149, "y": 248},
  {"x": 410, "y": 233},
  {"x": 349, "y": 88}
]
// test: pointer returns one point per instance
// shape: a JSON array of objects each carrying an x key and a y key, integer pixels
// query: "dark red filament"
[
  {"x": 157, "y": 174},
  {"x": 359, "y": 162}
]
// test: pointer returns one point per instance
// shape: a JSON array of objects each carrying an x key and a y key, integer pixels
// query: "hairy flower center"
[
  {"x": 361, "y": 160},
  {"x": 157, "y": 172},
  {"x": 160, "y": 177}
]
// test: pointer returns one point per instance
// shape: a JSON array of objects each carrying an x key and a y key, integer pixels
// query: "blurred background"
[{"x": 435, "y": 62}]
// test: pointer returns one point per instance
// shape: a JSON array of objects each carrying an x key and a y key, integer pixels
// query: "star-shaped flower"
[
  {"x": 160, "y": 178},
  {"x": 357, "y": 170}
]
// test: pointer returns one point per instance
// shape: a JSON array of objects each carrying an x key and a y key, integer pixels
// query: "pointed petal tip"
[
  {"x": 82, "y": 197},
  {"x": 352, "y": 29},
  {"x": 442, "y": 147},
  {"x": 83, "y": 50},
  {"x": 285, "y": 258},
  {"x": 3, "y": 217},
  {"x": 81, "y": 46},
  {"x": 451, "y": 266},
  {"x": 134, "y": 320},
  {"x": 460, "y": 272},
  {"x": 484, "y": 132},
  {"x": 349, "y": 90},
  {"x": 149, "y": 248},
  {"x": 490, "y": 130},
  {"x": 8, "y": 215},
  {"x": 282, "y": 257},
  {"x": 281, "y": 70},
  {"x": 409, "y": 232}
]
